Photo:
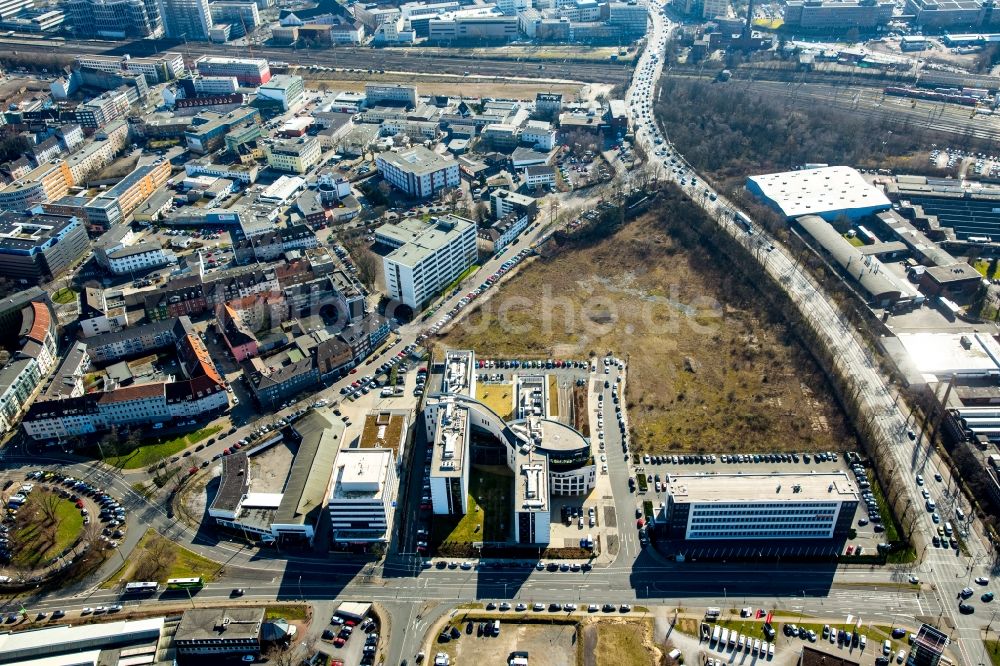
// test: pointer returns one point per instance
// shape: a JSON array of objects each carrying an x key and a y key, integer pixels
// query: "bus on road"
[
  {"x": 141, "y": 588},
  {"x": 184, "y": 583}
]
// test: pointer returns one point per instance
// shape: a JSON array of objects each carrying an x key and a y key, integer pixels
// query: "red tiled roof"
[
  {"x": 138, "y": 392},
  {"x": 40, "y": 326}
]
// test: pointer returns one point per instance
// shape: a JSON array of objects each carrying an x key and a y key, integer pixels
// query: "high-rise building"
[
  {"x": 112, "y": 19},
  {"x": 190, "y": 20}
]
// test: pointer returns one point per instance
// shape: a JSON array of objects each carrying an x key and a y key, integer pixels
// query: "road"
[{"x": 947, "y": 571}]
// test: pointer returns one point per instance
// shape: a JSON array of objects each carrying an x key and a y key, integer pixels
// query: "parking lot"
[{"x": 553, "y": 645}]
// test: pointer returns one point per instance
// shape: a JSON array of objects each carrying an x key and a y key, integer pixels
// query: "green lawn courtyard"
[
  {"x": 39, "y": 540},
  {"x": 152, "y": 451},
  {"x": 488, "y": 518}
]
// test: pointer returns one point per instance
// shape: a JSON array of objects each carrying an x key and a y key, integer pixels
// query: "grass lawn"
[
  {"x": 156, "y": 450},
  {"x": 498, "y": 397},
  {"x": 291, "y": 612},
  {"x": 486, "y": 520},
  {"x": 993, "y": 648},
  {"x": 621, "y": 643},
  {"x": 37, "y": 543},
  {"x": 888, "y": 516},
  {"x": 178, "y": 562},
  {"x": 553, "y": 397},
  {"x": 64, "y": 296}
]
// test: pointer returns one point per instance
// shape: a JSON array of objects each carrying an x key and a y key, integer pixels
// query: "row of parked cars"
[
  {"x": 475, "y": 293},
  {"x": 864, "y": 485}
]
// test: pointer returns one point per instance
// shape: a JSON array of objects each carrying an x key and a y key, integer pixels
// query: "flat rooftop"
[
  {"x": 761, "y": 488},
  {"x": 944, "y": 354},
  {"x": 818, "y": 191},
  {"x": 418, "y": 160},
  {"x": 415, "y": 240},
  {"x": 458, "y": 369},
  {"x": 304, "y": 494},
  {"x": 200, "y": 624},
  {"x": 361, "y": 474},
  {"x": 450, "y": 436}
]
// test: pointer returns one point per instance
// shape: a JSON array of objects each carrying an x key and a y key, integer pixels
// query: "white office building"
[
  {"x": 539, "y": 133},
  {"x": 288, "y": 89},
  {"x": 138, "y": 258},
  {"x": 427, "y": 256},
  {"x": 390, "y": 93},
  {"x": 759, "y": 506},
  {"x": 362, "y": 495},
  {"x": 418, "y": 172}
]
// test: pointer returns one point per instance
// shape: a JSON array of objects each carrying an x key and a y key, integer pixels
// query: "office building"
[
  {"x": 189, "y": 20},
  {"x": 101, "y": 110},
  {"x": 248, "y": 71},
  {"x": 220, "y": 632},
  {"x": 293, "y": 155},
  {"x": 547, "y": 458},
  {"x": 209, "y": 129},
  {"x": 427, "y": 256},
  {"x": 363, "y": 495},
  {"x": 83, "y": 644},
  {"x": 35, "y": 246},
  {"x": 505, "y": 202},
  {"x": 112, "y": 19},
  {"x": 242, "y": 16},
  {"x": 287, "y": 89},
  {"x": 929, "y": 645},
  {"x": 838, "y": 14},
  {"x": 418, "y": 171},
  {"x": 631, "y": 17},
  {"x": 759, "y": 506},
  {"x": 395, "y": 93},
  {"x": 713, "y": 8},
  {"x": 953, "y": 13}
]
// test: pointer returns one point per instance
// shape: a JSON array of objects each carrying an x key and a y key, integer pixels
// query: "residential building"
[
  {"x": 540, "y": 176},
  {"x": 190, "y": 20},
  {"x": 138, "y": 258},
  {"x": 822, "y": 15},
  {"x": 99, "y": 152},
  {"x": 276, "y": 378},
  {"x": 98, "y": 316},
  {"x": 394, "y": 93},
  {"x": 500, "y": 136},
  {"x": 426, "y": 257},
  {"x": 101, "y": 110},
  {"x": 294, "y": 155},
  {"x": 505, "y": 202},
  {"x": 115, "y": 205},
  {"x": 365, "y": 336},
  {"x": 501, "y": 233},
  {"x": 36, "y": 247},
  {"x": 31, "y": 337},
  {"x": 42, "y": 184},
  {"x": 248, "y": 71},
  {"x": 540, "y": 134},
  {"x": 418, "y": 171},
  {"x": 220, "y": 632},
  {"x": 756, "y": 507},
  {"x": 548, "y": 105},
  {"x": 135, "y": 341},
  {"x": 288, "y": 89}
]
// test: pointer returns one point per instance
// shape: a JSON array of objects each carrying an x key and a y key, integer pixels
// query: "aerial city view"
[{"x": 549, "y": 332}]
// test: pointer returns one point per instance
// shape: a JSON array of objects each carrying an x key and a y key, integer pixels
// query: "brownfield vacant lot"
[{"x": 709, "y": 369}]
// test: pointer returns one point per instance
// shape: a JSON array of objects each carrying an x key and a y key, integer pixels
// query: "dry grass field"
[
  {"x": 443, "y": 85},
  {"x": 709, "y": 369}
]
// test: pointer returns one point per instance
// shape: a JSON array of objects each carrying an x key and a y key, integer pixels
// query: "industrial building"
[
  {"x": 426, "y": 257},
  {"x": 759, "y": 506},
  {"x": 947, "y": 208},
  {"x": 837, "y": 15},
  {"x": 829, "y": 192},
  {"x": 220, "y": 632},
  {"x": 83, "y": 645},
  {"x": 248, "y": 71}
]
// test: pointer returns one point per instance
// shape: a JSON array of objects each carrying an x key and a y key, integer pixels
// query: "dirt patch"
[
  {"x": 709, "y": 368},
  {"x": 431, "y": 85},
  {"x": 619, "y": 643},
  {"x": 557, "y": 642}
]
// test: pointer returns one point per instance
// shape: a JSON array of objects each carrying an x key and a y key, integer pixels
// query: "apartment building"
[
  {"x": 759, "y": 506},
  {"x": 116, "y": 205},
  {"x": 42, "y": 184},
  {"x": 248, "y": 71},
  {"x": 242, "y": 16},
  {"x": 418, "y": 171},
  {"x": 427, "y": 256},
  {"x": 505, "y": 202},
  {"x": 36, "y": 246},
  {"x": 293, "y": 155},
  {"x": 138, "y": 258},
  {"x": 100, "y": 152},
  {"x": 101, "y": 110}
]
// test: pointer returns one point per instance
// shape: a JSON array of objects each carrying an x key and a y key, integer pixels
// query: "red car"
[
  {"x": 338, "y": 642},
  {"x": 226, "y": 452},
  {"x": 79, "y": 504}
]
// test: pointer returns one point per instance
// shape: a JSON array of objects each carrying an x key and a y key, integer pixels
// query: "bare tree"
[{"x": 48, "y": 503}]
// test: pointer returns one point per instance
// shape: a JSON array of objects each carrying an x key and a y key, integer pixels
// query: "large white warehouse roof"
[{"x": 827, "y": 191}]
